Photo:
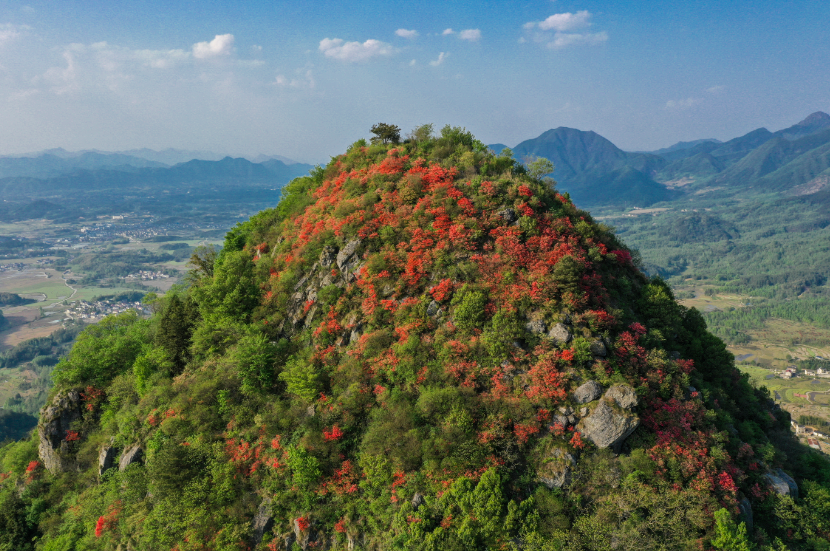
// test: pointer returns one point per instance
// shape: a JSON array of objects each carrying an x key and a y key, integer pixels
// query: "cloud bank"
[
  {"x": 562, "y": 26},
  {"x": 351, "y": 52},
  {"x": 403, "y": 33},
  {"x": 219, "y": 46}
]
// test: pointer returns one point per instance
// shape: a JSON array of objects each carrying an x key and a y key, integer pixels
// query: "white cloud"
[
  {"x": 566, "y": 21},
  {"x": 403, "y": 33},
  {"x": 352, "y": 52},
  {"x": 222, "y": 44},
  {"x": 412, "y": 63},
  {"x": 561, "y": 24},
  {"x": 441, "y": 57},
  {"x": 63, "y": 80},
  {"x": 716, "y": 89},
  {"x": 306, "y": 81},
  {"x": 447, "y": 32},
  {"x": 682, "y": 104},
  {"x": 562, "y": 40},
  {"x": 113, "y": 58},
  {"x": 10, "y": 33},
  {"x": 470, "y": 34}
]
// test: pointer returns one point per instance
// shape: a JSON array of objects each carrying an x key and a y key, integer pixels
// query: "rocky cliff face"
[{"x": 55, "y": 431}]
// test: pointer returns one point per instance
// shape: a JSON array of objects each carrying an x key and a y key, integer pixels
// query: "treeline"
[
  {"x": 41, "y": 351},
  {"x": 128, "y": 296},
  {"x": 13, "y": 299},
  {"x": 761, "y": 248},
  {"x": 15, "y": 425},
  {"x": 733, "y": 326},
  {"x": 813, "y": 421},
  {"x": 814, "y": 363},
  {"x": 116, "y": 264}
]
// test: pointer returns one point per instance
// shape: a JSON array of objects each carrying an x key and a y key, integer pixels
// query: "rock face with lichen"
[
  {"x": 611, "y": 421},
  {"x": 56, "y": 421}
]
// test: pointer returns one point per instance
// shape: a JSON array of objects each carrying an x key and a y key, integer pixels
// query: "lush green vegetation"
[
  {"x": 776, "y": 252},
  {"x": 13, "y": 299},
  {"x": 111, "y": 264},
  {"x": 360, "y": 364}
]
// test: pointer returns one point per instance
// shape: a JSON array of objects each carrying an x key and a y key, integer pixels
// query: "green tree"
[
  {"x": 539, "y": 168},
  {"x": 176, "y": 323},
  {"x": 386, "y": 133},
  {"x": 728, "y": 535}
]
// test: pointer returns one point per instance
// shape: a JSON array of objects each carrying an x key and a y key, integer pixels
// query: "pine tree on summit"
[{"x": 386, "y": 133}]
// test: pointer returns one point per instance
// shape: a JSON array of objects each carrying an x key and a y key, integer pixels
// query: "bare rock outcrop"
[
  {"x": 598, "y": 348},
  {"x": 559, "y": 334},
  {"x": 587, "y": 392},
  {"x": 347, "y": 259},
  {"x": 56, "y": 419},
  {"x": 623, "y": 395},
  {"x": 106, "y": 459},
  {"x": 263, "y": 522},
  {"x": 133, "y": 454},
  {"x": 556, "y": 473},
  {"x": 782, "y": 483},
  {"x": 537, "y": 327},
  {"x": 611, "y": 422}
]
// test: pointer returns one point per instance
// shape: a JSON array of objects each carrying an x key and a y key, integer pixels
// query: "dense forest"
[{"x": 424, "y": 346}]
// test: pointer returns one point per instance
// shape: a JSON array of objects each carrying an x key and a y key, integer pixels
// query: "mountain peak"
[{"x": 817, "y": 119}]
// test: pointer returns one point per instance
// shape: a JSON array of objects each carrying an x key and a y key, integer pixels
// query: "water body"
[{"x": 743, "y": 357}]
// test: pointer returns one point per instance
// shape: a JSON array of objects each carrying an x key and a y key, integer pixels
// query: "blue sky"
[{"x": 305, "y": 79}]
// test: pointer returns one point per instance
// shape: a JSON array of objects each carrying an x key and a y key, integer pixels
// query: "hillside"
[{"x": 422, "y": 346}]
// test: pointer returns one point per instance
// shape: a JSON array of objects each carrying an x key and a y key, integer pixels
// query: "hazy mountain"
[
  {"x": 263, "y": 158},
  {"x": 48, "y": 164},
  {"x": 680, "y": 146},
  {"x": 496, "y": 147},
  {"x": 815, "y": 122},
  {"x": 595, "y": 171},
  {"x": 811, "y": 151},
  {"x": 202, "y": 176},
  {"x": 171, "y": 156}
]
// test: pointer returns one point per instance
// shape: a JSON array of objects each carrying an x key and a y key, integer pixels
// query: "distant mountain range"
[
  {"x": 58, "y": 161},
  {"x": 795, "y": 160},
  {"x": 224, "y": 174}
]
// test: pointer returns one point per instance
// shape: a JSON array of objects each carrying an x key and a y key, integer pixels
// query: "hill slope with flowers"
[{"x": 422, "y": 346}]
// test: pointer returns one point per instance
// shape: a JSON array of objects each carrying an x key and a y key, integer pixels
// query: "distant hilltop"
[{"x": 596, "y": 172}]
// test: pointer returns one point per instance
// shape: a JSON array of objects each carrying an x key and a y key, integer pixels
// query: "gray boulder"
[
  {"x": 417, "y": 500},
  {"x": 608, "y": 427},
  {"x": 587, "y": 392},
  {"x": 782, "y": 483},
  {"x": 559, "y": 334},
  {"x": 328, "y": 256},
  {"x": 347, "y": 260},
  {"x": 263, "y": 522},
  {"x": 537, "y": 327},
  {"x": 560, "y": 420},
  {"x": 56, "y": 418},
  {"x": 623, "y": 395},
  {"x": 508, "y": 215},
  {"x": 598, "y": 348},
  {"x": 133, "y": 454},
  {"x": 106, "y": 459},
  {"x": 555, "y": 469},
  {"x": 434, "y": 309}
]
